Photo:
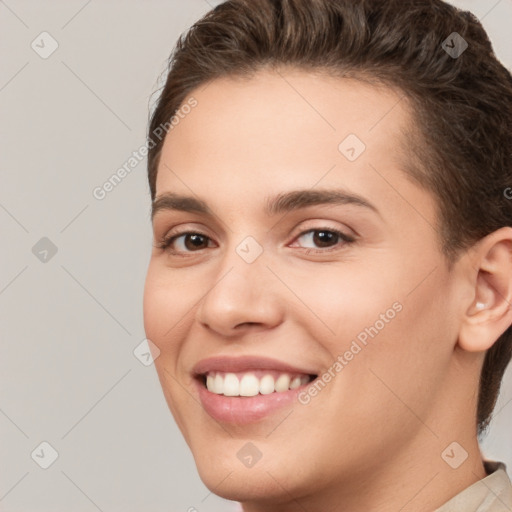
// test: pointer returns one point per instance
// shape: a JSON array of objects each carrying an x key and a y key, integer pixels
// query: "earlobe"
[{"x": 490, "y": 313}]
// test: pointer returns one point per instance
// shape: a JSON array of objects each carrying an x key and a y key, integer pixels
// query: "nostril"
[{"x": 244, "y": 324}]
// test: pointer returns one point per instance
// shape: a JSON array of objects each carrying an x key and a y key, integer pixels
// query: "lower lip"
[{"x": 242, "y": 410}]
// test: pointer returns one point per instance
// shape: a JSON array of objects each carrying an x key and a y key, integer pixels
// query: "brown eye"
[
  {"x": 324, "y": 238},
  {"x": 196, "y": 241},
  {"x": 184, "y": 242}
]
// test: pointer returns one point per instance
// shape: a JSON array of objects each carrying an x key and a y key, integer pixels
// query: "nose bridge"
[
  {"x": 242, "y": 271},
  {"x": 244, "y": 260},
  {"x": 242, "y": 291}
]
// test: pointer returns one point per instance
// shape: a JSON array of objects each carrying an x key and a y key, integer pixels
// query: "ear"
[{"x": 490, "y": 313}]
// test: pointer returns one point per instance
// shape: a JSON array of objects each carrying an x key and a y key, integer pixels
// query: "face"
[{"x": 330, "y": 314}]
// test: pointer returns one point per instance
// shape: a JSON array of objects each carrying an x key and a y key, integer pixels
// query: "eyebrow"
[{"x": 280, "y": 203}]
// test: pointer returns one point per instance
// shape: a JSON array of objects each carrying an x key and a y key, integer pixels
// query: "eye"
[
  {"x": 324, "y": 238},
  {"x": 191, "y": 242}
]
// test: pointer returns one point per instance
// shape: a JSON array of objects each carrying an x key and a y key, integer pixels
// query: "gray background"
[{"x": 69, "y": 325}]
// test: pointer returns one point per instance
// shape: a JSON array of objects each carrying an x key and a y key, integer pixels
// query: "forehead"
[
  {"x": 286, "y": 128},
  {"x": 271, "y": 105},
  {"x": 284, "y": 114}
]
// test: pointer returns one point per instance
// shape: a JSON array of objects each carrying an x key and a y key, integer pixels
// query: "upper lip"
[{"x": 244, "y": 363}]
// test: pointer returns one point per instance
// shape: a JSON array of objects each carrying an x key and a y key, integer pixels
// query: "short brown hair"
[{"x": 462, "y": 146}]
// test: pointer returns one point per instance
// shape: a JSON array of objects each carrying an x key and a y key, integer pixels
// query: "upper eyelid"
[
  {"x": 300, "y": 231},
  {"x": 316, "y": 224}
]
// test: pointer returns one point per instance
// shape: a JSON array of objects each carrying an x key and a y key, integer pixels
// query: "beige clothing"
[{"x": 491, "y": 494}]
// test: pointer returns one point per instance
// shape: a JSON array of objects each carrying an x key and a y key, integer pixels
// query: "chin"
[{"x": 248, "y": 484}]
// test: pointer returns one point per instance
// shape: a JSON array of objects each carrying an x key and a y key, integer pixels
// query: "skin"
[{"x": 372, "y": 439}]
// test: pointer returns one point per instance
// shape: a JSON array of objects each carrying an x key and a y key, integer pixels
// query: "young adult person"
[{"x": 331, "y": 281}]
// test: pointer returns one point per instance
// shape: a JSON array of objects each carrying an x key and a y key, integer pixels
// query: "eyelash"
[{"x": 166, "y": 242}]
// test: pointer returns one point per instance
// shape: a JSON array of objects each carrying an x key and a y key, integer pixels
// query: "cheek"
[
  {"x": 393, "y": 329},
  {"x": 165, "y": 307},
  {"x": 345, "y": 300},
  {"x": 403, "y": 364},
  {"x": 164, "y": 311}
]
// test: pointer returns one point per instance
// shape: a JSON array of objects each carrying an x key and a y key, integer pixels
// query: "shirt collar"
[{"x": 491, "y": 494}]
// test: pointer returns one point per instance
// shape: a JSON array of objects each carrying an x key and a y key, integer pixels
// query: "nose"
[{"x": 242, "y": 296}]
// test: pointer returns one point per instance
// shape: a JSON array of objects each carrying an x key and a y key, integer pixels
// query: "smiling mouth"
[{"x": 253, "y": 382}]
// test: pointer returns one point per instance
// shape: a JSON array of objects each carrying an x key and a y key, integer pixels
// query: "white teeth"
[
  {"x": 229, "y": 384},
  {"x": 267, "y": 385},
  {"x": 282, "y": 383},
  {"x": 210, "y": 382},
  {"x": 218, "y": 384},
  {"x": 249, "y": 385},
  {"x": 295, "y": 383}
]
